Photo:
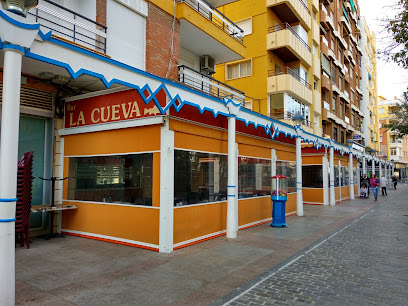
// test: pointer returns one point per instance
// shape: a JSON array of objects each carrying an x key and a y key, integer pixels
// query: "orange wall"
[
  {"x": 254, "y": 209},
  {"x": 312, "y": 195},
  {"x": 312, "y": 160},
  {"x": 138, "y": 139},
  {"x": 198, "y": 220},
  {"x": 134, "y": 223}
]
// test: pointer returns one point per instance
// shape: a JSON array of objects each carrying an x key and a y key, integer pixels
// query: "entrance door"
[{"x": 32, "y": 137}]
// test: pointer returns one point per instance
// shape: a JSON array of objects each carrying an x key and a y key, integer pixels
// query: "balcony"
[
  {"x": 287, "y": 117},
  {"x": 326, "y": 20},
  {"x": 205, "y": 30},
  {"x": 70, "y": 26},
  {"x": 209, "y": 85},
  {"x": 326, "y": 83},
  {"x": 346, "y": 24},
  {"x": 291, "y": 11},
  {"x": 288, "y": 45},
  {"x": 286, "y": 80}
]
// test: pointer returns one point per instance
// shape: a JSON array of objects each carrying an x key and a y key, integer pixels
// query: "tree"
[
  {"x": 398, "y": 121},
  {"x": 398, "y": 50}
]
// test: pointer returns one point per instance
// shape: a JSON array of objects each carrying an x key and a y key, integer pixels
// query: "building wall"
[{"x": 159, "y": 26}]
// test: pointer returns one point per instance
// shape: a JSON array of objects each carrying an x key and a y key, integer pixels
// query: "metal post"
[
  {"x": 8, "y": 172},
  {"x": 299, "y": 193},
  {"x": 232, "y": 222},
  {"x": 332, "y": 191}
]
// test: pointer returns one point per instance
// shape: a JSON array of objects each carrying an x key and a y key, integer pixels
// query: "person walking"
[
  {"x": 383, "y": 184},
  {"x": 365, "y": 180},
  {"x": 394, "y": 181},
  {"x": 374, "y": 182}
]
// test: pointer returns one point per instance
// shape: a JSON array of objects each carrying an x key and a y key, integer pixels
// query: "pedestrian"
[
  {"x": 394, "y": 180},
  {"x": 374, "y": 184},
  {"x": 365, "y": 180},
  {"x": 383, "y": 184}
]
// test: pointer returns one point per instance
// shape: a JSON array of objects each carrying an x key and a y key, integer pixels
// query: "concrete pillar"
[
  {"x": 232, "y": 209},
  {"x": 8, "y": 172},
  {"x": 166, "y": 188},
  {"x": 364, "y": 166},
  {"x": 380, "y": 169},
  {"x": 332, "y": 191},
  {"x": 274, "y": 159},
  {"x": 351, "y": 177},
  {"x": 299, "y": 193},
  {"x": 325, "y": 172}
]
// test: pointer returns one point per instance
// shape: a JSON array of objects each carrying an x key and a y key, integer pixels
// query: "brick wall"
[
  {"x": 101, "y": 11},
  {"x": 158, "y": 43}
]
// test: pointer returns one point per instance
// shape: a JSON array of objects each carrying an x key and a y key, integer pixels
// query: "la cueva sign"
[{"x": 118, "y": 106}]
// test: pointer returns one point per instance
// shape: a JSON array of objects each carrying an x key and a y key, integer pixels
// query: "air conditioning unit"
[{"x": 207, "y": 64}]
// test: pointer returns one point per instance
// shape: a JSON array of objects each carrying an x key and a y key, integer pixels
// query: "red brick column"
[
  {"x": 158, "y": 43},
  {"x": 101, "y": 12}
]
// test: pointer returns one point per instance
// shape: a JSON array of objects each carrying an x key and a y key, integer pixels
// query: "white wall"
[{"x": 126, "y": 40}]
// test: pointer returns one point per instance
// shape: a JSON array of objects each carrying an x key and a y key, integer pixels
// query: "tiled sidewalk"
[{"x": 75, "y": 270}]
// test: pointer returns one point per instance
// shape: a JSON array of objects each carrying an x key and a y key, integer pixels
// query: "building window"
[
  {"x": 122, "y": 179},
  {"x": 340, "y": 83},
  {"x": 393, "y": 151},
  {"x": 239, "y": 70},
  {"x": 200, "y": 177},
  {"x": 334, "y": 105},
  {"x": 333, "y": 75},
  {"x": 335, "y": 134},
  {"x": 342, "y": 136},
  {"x": 254, "y": 177},
  {"x": 245, "y": 25},
  {"x": 288, "y": 169},
  {"x": 341, "y": 110},
  {"x": 312, "y": 176}
]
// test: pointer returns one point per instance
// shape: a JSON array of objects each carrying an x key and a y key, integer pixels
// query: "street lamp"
[{"x": 19, "y": 7}]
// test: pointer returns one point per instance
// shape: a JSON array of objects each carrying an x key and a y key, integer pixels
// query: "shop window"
[
  {"x": 254, "y": 177},
  {"x": 124, "y": 179},
  {"x": 288, "y": 169},
  {"x": 336, "y": 176},
  {"x": 239, "y": 70},
  {"x": 312, "y": 176},
  {"x": 345, "y": 176},
  {"x": 199, "y": 177}
]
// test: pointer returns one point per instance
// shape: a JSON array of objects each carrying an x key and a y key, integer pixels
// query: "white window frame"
[
  {"x": 243, "y": 21},
  {"x": 238, "y": 63}
]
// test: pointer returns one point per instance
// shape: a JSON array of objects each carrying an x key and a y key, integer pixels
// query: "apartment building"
[
  {"x": 280, "y": 73},
  {"x": 369, "y": 88},
  {"x": 392, "y": 147},
  {"x": 341, "y": 88}
]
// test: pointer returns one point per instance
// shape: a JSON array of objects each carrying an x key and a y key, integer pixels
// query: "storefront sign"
[
  {"x": 357, "y": 137},
  {"x": 118, "y": 106}
]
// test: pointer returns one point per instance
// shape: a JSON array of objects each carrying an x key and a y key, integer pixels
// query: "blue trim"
[
  {"x": 19, "y": 24},
  {"x": 7, "y": 220},
  {"x": 345, "y": 14},
  {"x": 230, "y": 195},
  {"x": 14, "y": 47},
  {"x": 9, "y": 200},
  {"x": 232, "y": 186}
]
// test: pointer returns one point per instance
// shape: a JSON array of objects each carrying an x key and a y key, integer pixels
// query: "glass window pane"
[
  {"x": 312, "y": 176},
  {"x": 254, "y": 177},
  {"x": 288, "y": 169},
  {"x": 124, "y": 179}
]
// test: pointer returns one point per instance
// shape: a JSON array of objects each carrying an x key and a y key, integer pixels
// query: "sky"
[{"x": 391, "y": 79}]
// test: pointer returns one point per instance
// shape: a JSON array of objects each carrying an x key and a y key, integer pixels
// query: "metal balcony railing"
[
  {"x": 216, "y": 17},
  {"x": 209, "y": 85},
  {"x": 70, "y": 25},
  {"x": 286, "y": 26},
  {"x": 305, "y": 6},
  {"x": 287, "y": 70},
  {"x": 282, "y": 115}
]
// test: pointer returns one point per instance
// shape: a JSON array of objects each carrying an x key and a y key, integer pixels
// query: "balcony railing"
[
  {"x": 286, "y": 26},
  {"x": 208, "y": 84},
  {"x": 305, "y": 6},
  {"x": 216, "y": 17},
  {"x": 282, "y": 115},
  {"x": 287, "y": 70},
  {"x": 70, "y": 25}
]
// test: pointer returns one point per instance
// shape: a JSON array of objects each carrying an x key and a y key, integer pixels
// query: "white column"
[
  {"x": 325, "y": 172},
  {"x": 380, "y": 169},
  {"x": 358, "y": 177},
  {"x": 299, "y": 193},
  {"x": 351, "y": 177},
  {"x": 332, "y": 191},
  {"x": 274, "y": 159},
  {"x": 340, "y": 178},
  {"x": 236, "y": 184},
  {"x": 364, "y": 166},
  {"x": 232, "y": 209},
  {"x": 8, "y": 173},
  {"x": 166, "y": 188}
]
